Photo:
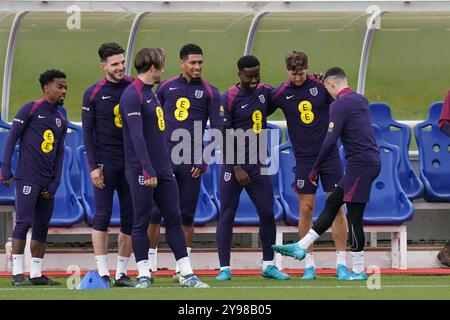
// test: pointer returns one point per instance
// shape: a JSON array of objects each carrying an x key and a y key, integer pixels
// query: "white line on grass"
[{"x": 250, "y": 287}]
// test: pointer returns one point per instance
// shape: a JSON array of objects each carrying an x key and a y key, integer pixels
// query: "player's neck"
[
  {"x": 146, "y": 78},
  {"x": 110, "y": 79},
  {"x": 51, "y": 101},
  {"x": 188, "y": 78}
]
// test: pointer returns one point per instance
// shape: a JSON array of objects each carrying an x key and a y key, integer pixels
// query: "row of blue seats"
[{"x": 389, "y": 203}]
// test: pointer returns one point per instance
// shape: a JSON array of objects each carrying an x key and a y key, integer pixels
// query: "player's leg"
[
  {"x": 142, "y": 199},
  {"x": 260, "y": 191},
  {"x": 230, "y": 191},
  {"x": 357, "y": 239},
  {"x": 102, "y": 218},
  {"x": 325, "y": 220},
  {"x": 154, "y": 234},
  {"x": 305, "y": 195},
  {"x": 189, "y": 189},
  {"x": 25, "y": 204},
  {"x": 126, "y": 227},
  {"x": 43, "y": 214},
  {"x": 331, "y": 174},
  {"x": 356, "y": 196},
  {"x": 166, "y": 196}
]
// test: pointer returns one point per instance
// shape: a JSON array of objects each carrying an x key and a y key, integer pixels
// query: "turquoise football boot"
[
  {"x": 342, "y": 272},
  {"x": 273, "y": 272},
  {"x": 362, "y": 276},
  {"x": 290, "y": 250},
  {"x": 309, "y": 274},
  {"x": 224, "y": 274}
]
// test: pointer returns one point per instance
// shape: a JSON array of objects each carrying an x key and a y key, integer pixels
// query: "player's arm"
[
  {"x": 19, "y": 124},
  {"x": 216, "y": 115},
  {"x": 133, "y": 113},
  {"x": 59, "y": 160},
  {"x": 444, "y": 120},
  {"x": 271, "y": 104},
  {"x": 88, "y": 119},
  {"x": 337, "y": 121},
  {"x": 228, "y": 144}
]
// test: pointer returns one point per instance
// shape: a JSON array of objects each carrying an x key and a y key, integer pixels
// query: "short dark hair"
[
  {"x": 296, "y": 61},
  {"x": 190, "y": 48},
  {"x": 247, "y": 62},
  {"x": 335, "y": 72},
  {"x": 109, "y": 49},
  {"x": 148, "y": 57},
  {"x": 49, "y": 75}
]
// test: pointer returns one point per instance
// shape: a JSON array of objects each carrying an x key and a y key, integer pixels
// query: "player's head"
[
  {"x": 54, "y": 85},
  {"x": 297, "y": 66},
  {"x": 191, "y": 61},
  {"x": 335, "y": 80},
  {"x": 150, "y": 61},
  {"x": 112, "y": 61},
  {"x": 249, "y": 75}
]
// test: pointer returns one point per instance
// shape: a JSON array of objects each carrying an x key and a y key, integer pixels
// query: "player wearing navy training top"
[
  {"x": 41, "y": 129},
  {"x": 245, "y": 107},
  {"x": 444, "y": 125},
  {"x": 187, "y": 101},
  {"x": 148, "y": 169},
  {"x": 102, "y": 134},
  {"x": 350, "y": 121},
  {"x": 305, "y": 103}
]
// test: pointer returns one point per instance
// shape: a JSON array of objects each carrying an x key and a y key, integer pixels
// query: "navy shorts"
[
  {"x": 330, "y": 174},
  {"x": 357, "y": 183}
]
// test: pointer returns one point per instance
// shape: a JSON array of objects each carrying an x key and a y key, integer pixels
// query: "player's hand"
[
  {"x": 97, "y": 178},
  {"x": 241, "y": 176},
  {"x": 6, "y": 182},
  {"x": 314, "y": 177},
  {"x": 151, "y": 182},
  {"x": 196, "y": 172},
  {"x": 46, "y": 195}
]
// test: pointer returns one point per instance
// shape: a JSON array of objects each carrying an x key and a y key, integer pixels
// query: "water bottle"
[{"x": 8, "y": 252}]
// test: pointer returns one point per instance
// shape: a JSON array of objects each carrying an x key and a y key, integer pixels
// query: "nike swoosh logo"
[
  {"x": 170, "y": 89},
  {"x": 105, "y": 97},
  {"x": 148, "y": 101},
  {"x": 41, "y": 117},
  {"x": 244, "y": 106},
  {"x": 290, "y": 97}
]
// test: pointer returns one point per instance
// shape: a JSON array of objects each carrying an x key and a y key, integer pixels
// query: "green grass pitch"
[{"x": 249, "y": 288}]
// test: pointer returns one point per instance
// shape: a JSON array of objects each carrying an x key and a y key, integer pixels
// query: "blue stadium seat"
[
  {"x": 434, "y": 156},
  {"x": 399, "y": 135},
  {"x": 288, "y": 195},
  {"x": 74, "y": 139},
  {"x": 7, "y": 195},
  {"x": 68, "y": 210},
  {"x": 388, "y": 202},
  {"x": 87, "y": 191}
]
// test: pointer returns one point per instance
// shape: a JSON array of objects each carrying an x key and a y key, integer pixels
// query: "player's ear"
[{"x": 103, "y": 66}]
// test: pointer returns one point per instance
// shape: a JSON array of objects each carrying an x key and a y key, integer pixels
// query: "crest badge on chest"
[
  {"x": 198, "y": 94},
  {"x": 314, "y": 92}
]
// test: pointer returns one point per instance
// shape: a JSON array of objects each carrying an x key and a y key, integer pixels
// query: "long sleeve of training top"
[
  {"x": 19, "y": 124},
  {"x": 88, "y": 119},
  {"x": 59, "y": 161},
  {"x": 131, "y": 109}
]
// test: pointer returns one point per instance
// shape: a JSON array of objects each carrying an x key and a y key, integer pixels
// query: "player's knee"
[
  {"x": 187, "y": 219},
  {"x": 21, "y": 229},
  {"x": 100, "y": 222},
  {"x": 306, "y": 211},
  {"x": 40, "y": 233},
  {"x": 267, "y": 218},
  {"x": 332, "y": 204}
]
